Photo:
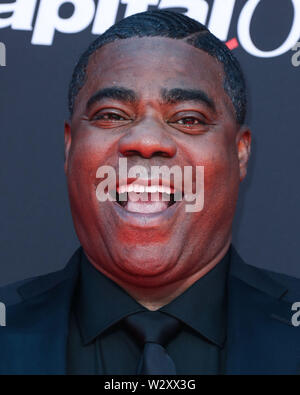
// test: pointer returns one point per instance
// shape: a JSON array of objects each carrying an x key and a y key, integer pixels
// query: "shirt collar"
[
  {"x": 100, "y": 303},
  {"x": 203, "y": 306}
]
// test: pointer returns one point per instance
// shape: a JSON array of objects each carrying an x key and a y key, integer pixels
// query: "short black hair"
[{"x": 163, "y": 23}]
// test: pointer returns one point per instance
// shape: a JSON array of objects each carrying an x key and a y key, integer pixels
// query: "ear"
[
  {"x": 243, "y": 142},
  {"x": 68, "y": 140}
]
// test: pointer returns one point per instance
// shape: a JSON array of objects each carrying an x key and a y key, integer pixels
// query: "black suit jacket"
[{"x": 260, "y": 336}]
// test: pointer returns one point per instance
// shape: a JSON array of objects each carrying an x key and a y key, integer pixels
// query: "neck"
[{"x": 155, "y": 298}]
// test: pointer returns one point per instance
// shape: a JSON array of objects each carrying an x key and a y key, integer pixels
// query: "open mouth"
[{"x": 145, "y": 199}]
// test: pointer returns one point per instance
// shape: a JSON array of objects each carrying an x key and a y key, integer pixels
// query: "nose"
[{"x": 148, "y": 138}]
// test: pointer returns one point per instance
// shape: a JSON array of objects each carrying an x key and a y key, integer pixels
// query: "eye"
[
  {"x": 190, "y": 121},
  {"x": 108, "y": 116}
]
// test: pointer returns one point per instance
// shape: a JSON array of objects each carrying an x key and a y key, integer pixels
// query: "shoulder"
[
  {"x": 292, "y": 284},
  {"x": 14, "y": 293},
  {"x": 9, "y": 294},
  {"x": 270, "y": 282}
]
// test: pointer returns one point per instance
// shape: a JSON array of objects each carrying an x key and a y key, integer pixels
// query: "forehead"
[{"x": 149, "y": 64}]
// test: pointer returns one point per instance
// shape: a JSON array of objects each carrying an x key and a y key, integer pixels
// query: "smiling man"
[{"x": 155, "y": 288}]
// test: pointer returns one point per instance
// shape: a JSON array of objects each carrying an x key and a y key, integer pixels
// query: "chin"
[{"x": 143, "y": 266}]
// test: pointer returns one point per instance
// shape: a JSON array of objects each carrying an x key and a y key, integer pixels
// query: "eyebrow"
[
  {"x": 177, "y": 95},
  {"x": 115, "y": 92}
]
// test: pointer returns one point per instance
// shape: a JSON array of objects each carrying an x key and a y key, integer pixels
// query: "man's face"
[{"x": 155, "y": 102}]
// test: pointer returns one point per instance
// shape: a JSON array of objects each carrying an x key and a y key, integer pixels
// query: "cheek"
[
  {"x": 84, "y": 160},
  {"x": 221, "y": 186},
  {"x": 90, "y": 149},
  {"x": 221, "y": 169}
]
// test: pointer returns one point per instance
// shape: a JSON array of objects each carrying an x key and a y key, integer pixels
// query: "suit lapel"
[
  {"x": 45, "y": 307},
  {"x": 260, "y": 337}
]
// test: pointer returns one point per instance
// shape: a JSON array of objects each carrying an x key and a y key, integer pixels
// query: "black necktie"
[{"x": 154, "y": 330}]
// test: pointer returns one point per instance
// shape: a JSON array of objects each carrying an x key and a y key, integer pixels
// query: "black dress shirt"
[{"x": 98, "y": 342}]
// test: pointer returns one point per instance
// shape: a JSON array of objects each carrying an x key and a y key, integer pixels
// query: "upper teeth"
[{"x": 143, "y": 188}]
